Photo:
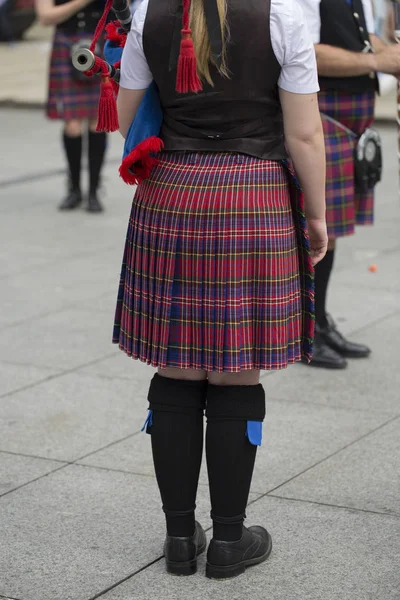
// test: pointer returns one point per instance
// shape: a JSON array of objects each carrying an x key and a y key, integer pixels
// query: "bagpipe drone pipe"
[{"x": 142, "y": 141}]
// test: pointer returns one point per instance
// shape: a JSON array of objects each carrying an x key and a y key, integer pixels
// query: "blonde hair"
[{"x": 201, "y": 40}]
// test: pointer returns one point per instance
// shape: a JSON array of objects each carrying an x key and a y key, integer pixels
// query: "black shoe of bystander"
[
  {"x": 335, "y": 340},
  {"x": 72, "y": 200}
]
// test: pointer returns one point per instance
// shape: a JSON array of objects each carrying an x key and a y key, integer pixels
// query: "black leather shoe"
[
  {"x": 93, "y": 204},
  {"x": 181, "y": 552},
  {"x": 72, "y": 200},
  {"x": 324, "y": 356},
  {"x": 230, "y": 559},
  {"x": 338, "y": 342}
]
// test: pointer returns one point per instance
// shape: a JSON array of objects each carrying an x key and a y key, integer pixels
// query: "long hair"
[{"x": 201, "y": 40}]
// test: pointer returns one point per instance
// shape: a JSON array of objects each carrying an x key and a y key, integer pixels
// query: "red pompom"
[
  {"x": 137, "y": 166},
  {"x": 115, "y": 34}
]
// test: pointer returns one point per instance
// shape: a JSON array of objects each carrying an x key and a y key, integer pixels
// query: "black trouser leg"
[
  {"x": 323, "y": 272},
  {"x": 97, "y": 143},
  {"x": 177, "y": 442},
  {"x": 231, "y": 446},
  {"x": 73, "y": 151}
]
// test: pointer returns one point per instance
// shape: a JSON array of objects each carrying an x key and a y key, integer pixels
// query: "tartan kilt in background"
[
  {"x": 345, "y": 208},
  {"x": 69, "y": 98},
  {"x": 216, "y": 273}
]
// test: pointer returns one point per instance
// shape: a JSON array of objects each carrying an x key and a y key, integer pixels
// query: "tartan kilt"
[
  {"x": 345, "y": 207},
  {"x": 216, "y": 273},
  {"x": 69, "y": 98}
]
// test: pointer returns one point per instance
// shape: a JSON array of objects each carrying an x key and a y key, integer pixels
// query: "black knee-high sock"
[
  {"x": 97, "y": 149},
  {"x": 323, "y": 272},
  {"x": 230, "y": 454},
  {"x": 73, "y": 151},
  {"x": 177, "y": 443}
]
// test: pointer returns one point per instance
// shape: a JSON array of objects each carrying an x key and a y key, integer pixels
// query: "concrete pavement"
[{"x": 80, "y": 514}]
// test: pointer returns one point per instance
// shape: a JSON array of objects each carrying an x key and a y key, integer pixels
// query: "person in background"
[
  {"x": 6, "y": 31},
  {"x": 73, "y": 97},
  {"x": 349, "y": 56},
  {"x": 216, "y": 282}
]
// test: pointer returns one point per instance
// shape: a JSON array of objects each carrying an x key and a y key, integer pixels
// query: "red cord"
[
  {"x": 100, "y": 66},
  {"x": 100, "y": 25},
  {"x": 186, "y": 10}
]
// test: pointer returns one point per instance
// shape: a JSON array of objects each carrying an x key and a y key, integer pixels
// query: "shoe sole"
[
  {"x": 355, "y": 356},
  {"x": 319, "y": 365},
  {"x": 67, "y": 208},
  {"x": 231, "y": 571},
  {"x": 185, "y": 568},
  {"x": 330, "y": 366}
]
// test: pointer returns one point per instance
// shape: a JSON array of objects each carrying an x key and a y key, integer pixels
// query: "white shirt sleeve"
[
  {"x": 135, "y": 72},
  {"x": 311, "y": 10},
  {"x": 369, "y": 15},
  {"x": 293, "y": 48}
]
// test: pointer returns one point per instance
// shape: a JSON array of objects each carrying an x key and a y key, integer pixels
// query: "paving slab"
[
  {"x": 364, "y": 476},
  {"x": 78, "y": 531},
  {"x": 104, "y": 302},
  {"x": 353, "y": 308},
  {"x": 70, "y": 416},
  {"x": 14, "y": 377},
  {"x": 18, "y": 470},
  {"x": 23, "y": 130},
  {"x": 296, "y": 436},
  {"x": 319, "y": 553},
  {"x": 52, "y": 288},
  {"x": 387, "y": 276},
  {"x": 120, "y": 365},
  {"x": 51, "y": 237},
  {"x": 372, "y": 384},
  {"x": 62, "y": 340}
]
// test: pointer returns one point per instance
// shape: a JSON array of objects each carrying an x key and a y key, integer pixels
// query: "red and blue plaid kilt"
[
  {"x": 345, "y": 207},
  {"x": 216, "y": 272},
  {"x": 69, "y": 98}
]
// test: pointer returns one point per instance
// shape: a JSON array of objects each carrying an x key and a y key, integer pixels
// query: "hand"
[
  {"x": 388, "y": 60},
  {"x": 318, "y": 235}
]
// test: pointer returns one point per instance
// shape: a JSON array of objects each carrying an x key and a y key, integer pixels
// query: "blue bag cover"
[
  {"x": 112, "y": 52},
  {"x": 147, "y": 122}
]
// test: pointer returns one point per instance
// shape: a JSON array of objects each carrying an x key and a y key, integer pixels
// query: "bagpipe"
[{"x": 142, "y": 141}]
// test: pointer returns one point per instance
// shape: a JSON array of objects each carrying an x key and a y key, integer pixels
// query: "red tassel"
[
  {"x": 187, "y": 79},
  {"x": 107, "y": 115},
  {"x": 137, "y": 166}
]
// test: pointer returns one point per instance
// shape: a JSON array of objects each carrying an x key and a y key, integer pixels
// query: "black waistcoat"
[
  {"x": 240, "y": 114},
  {"x": 344, "y": 26},
  {"x": 85, "y": 20}
]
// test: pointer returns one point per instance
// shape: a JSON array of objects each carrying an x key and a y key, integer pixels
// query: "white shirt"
[
  {"x": 291, "y": 42},
  {"x": 311, "y": 10}
]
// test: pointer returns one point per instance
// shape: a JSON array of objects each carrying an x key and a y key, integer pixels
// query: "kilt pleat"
[
  {"x": 345, "y": 207},
  {"x": 213, "y": 276},
  {"x": 69, "y": 98}
]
